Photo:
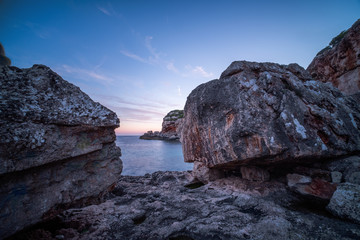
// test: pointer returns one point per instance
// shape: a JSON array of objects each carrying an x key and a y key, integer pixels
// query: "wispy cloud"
[
  {"x": 108, "y": 9},
  {"x": 179, "y": 91},
  {"x": 154, "y": 57},
  {"x": 199, "y": 70},
  {"x": 144, "y": 103},
  {"x": 41, "y": 31},
  {"x": 170, "y": 66},
  {"x": 133, "y": 56},
  {"x": 104, "y": 10},
  {"x": 85, "y": 74}
]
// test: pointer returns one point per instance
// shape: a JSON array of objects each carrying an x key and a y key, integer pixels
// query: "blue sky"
[{"x": 142, "y": 58}]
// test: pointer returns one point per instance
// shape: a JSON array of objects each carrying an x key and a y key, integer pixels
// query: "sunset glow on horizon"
[{"x": 142, "y": 59}]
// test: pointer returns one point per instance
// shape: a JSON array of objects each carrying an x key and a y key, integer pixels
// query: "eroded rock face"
[
  {"x": 56, "y": 146},
  {"x": 340, "y": 63},
  {"x": 266, "y": 113},
  {"x": 171, "y": 127}
]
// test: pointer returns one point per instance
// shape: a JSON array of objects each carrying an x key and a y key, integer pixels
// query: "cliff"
[
  {"x": 56, "y": 147},
  {"x": 171, "y": 127},
  {"x": 339, "y": 63}
]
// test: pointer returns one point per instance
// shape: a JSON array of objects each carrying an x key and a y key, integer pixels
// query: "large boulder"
[
  {"x": 56, "y": 146},
  {"x": 339, "y": 63},
  {"x": 266, "y": 113}
]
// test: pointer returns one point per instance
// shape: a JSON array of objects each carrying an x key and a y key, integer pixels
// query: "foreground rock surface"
[
  {"x": 339, "y": 63},
  {"x": 159, "y": 206},
  {"x": 56, "y": 146},
  {"x": 171, "y": 127},
  {"x": 265, "y": 113}
]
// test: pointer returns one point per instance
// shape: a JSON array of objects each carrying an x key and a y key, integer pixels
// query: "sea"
[{"x": 147, "y": 156}]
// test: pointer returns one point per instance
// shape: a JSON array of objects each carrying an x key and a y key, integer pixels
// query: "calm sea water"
[{"x": 147, "y": 156}]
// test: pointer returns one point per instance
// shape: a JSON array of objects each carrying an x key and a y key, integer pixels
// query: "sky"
[{"x": 142, "y": 59}]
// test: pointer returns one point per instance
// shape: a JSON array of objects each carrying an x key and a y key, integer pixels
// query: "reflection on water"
[{"x": 147, "y": 156}]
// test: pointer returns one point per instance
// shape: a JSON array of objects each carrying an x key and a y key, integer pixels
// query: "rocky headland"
[
  {"x": 171, "y": 127},
  {"x": 276, "y": 155},
  {"x": 57, "y": 147}
]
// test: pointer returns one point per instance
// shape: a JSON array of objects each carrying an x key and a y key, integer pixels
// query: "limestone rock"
[
  {"x": 340, "y": 62},
  {"x": 266, "y": 113},
  {"x": 56, "y": 146},
  {"x": 171, "y": 127},
  {"x": 158, "y": 206},
  {"x": 345, "y": 202}
]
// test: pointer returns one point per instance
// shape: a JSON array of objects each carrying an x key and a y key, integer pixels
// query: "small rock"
[
  {"x": 293, "y": 179},
  {"x": 345, "y": 202},
  {"x": 317, "y": 189},
  {"x": 336, "y": 177}
]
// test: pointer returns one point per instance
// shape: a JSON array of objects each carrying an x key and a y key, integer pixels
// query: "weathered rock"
[
  {"x": 294, "y": 179},
  {"x": 317, "y": 189},
  {"x": 339, "y": 63},
  {"x": 265, "y": 113},
  {"x": 56, "y": 146},
  {"x": 171, "y": 127},
  {"x": 158, "y": 206},
  {"x": 345, "y": 202}
]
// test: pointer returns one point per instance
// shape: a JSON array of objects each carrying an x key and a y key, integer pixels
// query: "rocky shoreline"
[{"x": 163, "y": 205}]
